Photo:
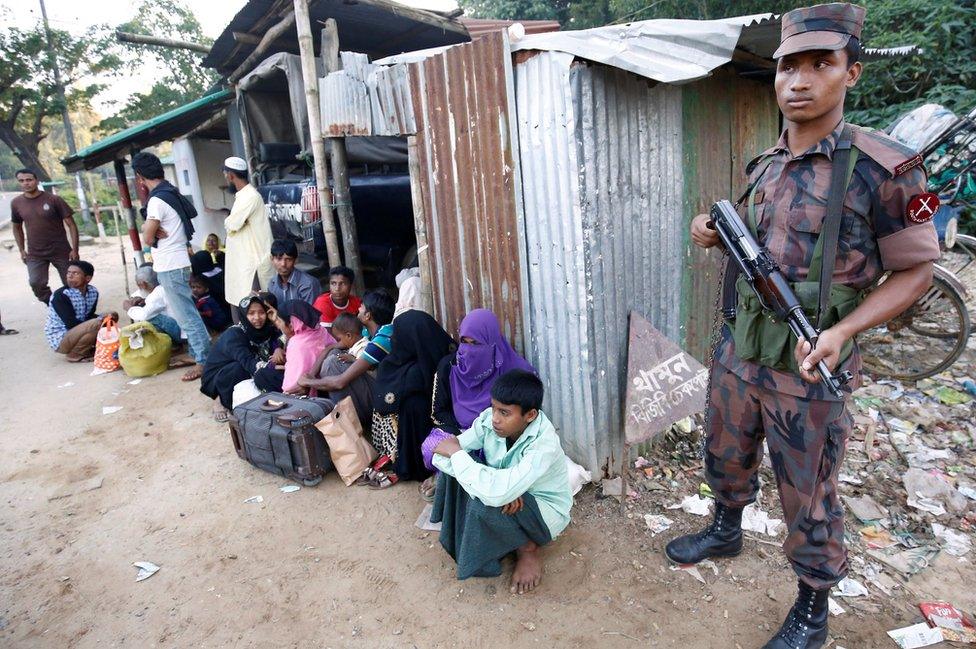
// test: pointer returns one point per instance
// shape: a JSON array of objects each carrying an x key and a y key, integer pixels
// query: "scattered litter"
[
  {"x": 613, "y": 487},
  {"x": 289, "y": 488},
  {"x": 705, "y": 491},
  {"x": 917, "y": 635},
  {"x": 757, "y": 520},
  {"x": 693, "y": 504},
  {"x": 929, "y": 492},
  {"x": 254, "y": 499},
  {"x": 846, "y": 478},
  {"x": 850, "y": 588},
  {"x": 834, "y": 607},
  {"x": 423, "y": 521},
  {"x": 146, "y": 570},
  {"x": 66, "y": 385},
  {"x": 955, "y": 543},
  {"x": 967, "y": 491},
  {"x": 969, "y": 387},
  {"x": 865, "y": 508},
  {"x": 877, "y": 538},
  {"x": 896, "y": 425},
  {"x": 692, "y": 569},
  {"x": 945, "y": 616},
  {"x": 945, "y": 394},
  {"x": 657, "y": 523},
  {"x": 907, "y": 562},
  {"x": 76, "y": 488},
  {"x": 641, "y": 462},
  {"x": 109, "y": 410},
  {"x": 135, "y": 382}
]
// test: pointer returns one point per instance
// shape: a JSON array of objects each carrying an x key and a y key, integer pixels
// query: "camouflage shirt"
[{"x": 876, "y": 236}]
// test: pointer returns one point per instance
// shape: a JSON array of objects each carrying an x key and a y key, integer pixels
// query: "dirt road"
[{"x": 322, "y": 567}]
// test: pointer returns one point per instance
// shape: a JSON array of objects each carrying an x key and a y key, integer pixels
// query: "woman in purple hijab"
[{"x": 462, "y": 385}]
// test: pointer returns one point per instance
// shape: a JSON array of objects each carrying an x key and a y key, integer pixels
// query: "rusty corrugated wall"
[
  {"x": 465, "y": 176},
  {"x": 727, "y": 120}
]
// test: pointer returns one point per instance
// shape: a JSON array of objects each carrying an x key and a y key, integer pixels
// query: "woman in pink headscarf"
[
  {"x": 299, "y": 321},
  {"x": 462, "y": 385}
]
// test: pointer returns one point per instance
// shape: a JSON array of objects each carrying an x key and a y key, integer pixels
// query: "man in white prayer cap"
[{"x": 248, "y": 251}]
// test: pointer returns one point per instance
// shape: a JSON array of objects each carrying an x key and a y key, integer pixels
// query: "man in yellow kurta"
[{"x": 248, "y": 252}]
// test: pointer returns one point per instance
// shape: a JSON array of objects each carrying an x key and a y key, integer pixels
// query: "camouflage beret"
[{"x": 821, "y": 27}]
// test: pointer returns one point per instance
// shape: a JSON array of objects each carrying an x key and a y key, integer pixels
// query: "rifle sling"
[{"x": 840, "y": 178}]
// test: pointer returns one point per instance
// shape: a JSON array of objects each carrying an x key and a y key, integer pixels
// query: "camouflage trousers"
[{"x": 806, "y": 440}]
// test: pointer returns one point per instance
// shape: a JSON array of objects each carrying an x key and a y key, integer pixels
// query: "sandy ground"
[{"x": 328, "y": 566}]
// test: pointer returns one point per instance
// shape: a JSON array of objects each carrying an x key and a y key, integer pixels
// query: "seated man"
[
  {"x": 152, "y": 307},
  {"x": 72, "y": 324},
  {"x": 519, "y": 500},
  {"x": 339, "y": 298},
  {"x": 290, "y": 283}
]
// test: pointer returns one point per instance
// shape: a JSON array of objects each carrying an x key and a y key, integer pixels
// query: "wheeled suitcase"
[{"x": 276, "y": 432}]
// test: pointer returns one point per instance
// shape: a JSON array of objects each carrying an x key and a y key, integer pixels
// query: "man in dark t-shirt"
[{"x": 45, "y": 217}]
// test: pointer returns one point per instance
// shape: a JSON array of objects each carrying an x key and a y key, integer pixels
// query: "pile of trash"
[{"x": 908, "y": 484}]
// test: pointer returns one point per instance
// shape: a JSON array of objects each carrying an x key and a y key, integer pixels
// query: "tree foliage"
[
  {"x": 28, "y": 92},
  {"x": 944, "y": 73},
  {"x": 184, "y": 80}
]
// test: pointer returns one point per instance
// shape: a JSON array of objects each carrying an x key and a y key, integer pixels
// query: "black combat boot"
[
  {"x": 806, "y": 625},
  {"x": 723, "y": 538}
]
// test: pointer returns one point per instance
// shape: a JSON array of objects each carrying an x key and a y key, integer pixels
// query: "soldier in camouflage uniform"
[{"x": 763, "y": 384}]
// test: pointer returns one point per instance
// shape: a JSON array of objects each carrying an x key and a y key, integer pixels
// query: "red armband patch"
[
  {"x": 922, "y": 207},
  {"x": 911, "y": 163}
]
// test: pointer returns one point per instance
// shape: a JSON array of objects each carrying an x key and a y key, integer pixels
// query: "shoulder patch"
[{"x": 892, "y": 155}]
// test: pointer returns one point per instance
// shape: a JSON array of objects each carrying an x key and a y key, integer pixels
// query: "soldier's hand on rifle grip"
[
  {"x": 702, "y": 234},
  {"x": 828, "y": 350}
]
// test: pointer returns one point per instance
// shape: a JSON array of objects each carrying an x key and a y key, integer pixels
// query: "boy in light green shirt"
[{"x": 515, "y": 502}]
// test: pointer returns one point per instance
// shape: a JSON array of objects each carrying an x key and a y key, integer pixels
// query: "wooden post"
[
  {"x": 127, "y": 204},
  {"x": 340, "y": 165},
  {"x": 420, "y": 225},
  {"x": 310, "y": 76},
  {"x": 118, "y": 234},
  {"x": 269, "y": 37}
]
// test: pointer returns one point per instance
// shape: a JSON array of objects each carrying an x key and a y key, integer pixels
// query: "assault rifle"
[{"x": 769, "y": 284}]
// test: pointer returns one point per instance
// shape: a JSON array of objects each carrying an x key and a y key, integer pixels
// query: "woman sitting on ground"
[
  {"x": 240, "y": 352},
  {"x": 335, "y": 375},
  {"x": 299, "y": 322},
  {"x": 402, "y": 399},
  {"x": 462, "y": 388}
]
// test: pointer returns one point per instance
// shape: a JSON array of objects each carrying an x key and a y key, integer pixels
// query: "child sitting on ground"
[
  {"x": 211, "y": 312},
  {"x": 348, "y": 332},
  {"x": 515, "y": 502}
]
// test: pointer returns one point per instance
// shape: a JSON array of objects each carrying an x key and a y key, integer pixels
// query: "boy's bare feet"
[
  {"x": 528, "y": 569},
  {"x": 193, "y": 373}
]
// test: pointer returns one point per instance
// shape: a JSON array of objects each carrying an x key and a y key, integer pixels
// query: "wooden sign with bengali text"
[{"x": 664, "y": 383}]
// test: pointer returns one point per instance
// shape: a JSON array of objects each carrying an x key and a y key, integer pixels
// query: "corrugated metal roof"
[
  {"x": 478, "y": 27},
  {"x": 161, "y": 128},
  {"x": 670, "y": 51},
  {"x": 376, "y": 27}
]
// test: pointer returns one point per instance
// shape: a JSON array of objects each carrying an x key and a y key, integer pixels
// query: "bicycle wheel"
[
  {"x": 924, "y": 340},
  {"x": 961, "y": 261}
]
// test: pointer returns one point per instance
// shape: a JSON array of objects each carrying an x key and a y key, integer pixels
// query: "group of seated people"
[{"x": 463, "y": 418}]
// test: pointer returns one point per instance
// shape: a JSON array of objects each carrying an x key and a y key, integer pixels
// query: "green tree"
[
  {"x": 184, "y": 80},
  {"x": 28, "y": 97},
  {"x": 518, "y": 9}
]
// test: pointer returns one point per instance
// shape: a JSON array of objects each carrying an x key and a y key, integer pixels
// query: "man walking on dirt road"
[
  {"x": 45, "y": 216},
  {"x": 829, "y": 200}
]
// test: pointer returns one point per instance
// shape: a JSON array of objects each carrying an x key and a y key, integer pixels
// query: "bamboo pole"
[
  {"x": 118, "y": 234},
  {"x": 144, "y": 39},
  {"x": 340, "y": 166},
  {"x": 270, "y": 36},
  {"x": 303, "y": 25}
]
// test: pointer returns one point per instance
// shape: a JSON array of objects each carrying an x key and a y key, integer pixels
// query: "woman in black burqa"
[
  {"x": 402, "y": 398},
  {"x": 240, "y": 352}
]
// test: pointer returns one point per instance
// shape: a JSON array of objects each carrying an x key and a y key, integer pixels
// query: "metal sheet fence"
[{"x": 466, "y": 181}]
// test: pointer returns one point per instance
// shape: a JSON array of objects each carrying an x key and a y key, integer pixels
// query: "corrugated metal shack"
[{"x": 554, "y": 186}]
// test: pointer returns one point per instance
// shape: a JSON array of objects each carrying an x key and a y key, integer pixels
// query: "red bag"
[{"x": 107, "y": 347}]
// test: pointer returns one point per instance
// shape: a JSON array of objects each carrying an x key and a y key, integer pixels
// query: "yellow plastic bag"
[{"x": 144, "y": 351}]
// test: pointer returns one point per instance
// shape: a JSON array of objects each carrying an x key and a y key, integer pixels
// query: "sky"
[{"x": 76, "y": 16}]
